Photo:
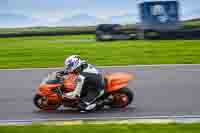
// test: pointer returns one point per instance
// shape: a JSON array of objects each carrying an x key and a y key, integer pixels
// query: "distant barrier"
[
  {"x": 179, "y": 34},
  {"x": 46, "y": 34}
]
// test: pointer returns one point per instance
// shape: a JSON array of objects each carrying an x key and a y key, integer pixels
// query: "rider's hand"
[{"x": 58, "y": 75}]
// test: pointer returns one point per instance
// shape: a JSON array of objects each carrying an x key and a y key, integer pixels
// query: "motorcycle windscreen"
[{"x": 117, "y": 81}]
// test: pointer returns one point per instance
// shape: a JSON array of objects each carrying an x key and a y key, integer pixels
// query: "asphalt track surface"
[{"x": 160, "y": 91}]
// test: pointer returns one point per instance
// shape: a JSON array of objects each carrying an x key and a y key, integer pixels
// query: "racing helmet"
[{"x": 72, "y": 63}]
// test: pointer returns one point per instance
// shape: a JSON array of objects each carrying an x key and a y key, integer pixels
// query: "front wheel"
[
  {"x": 42, "y": 103},
  {"x": 122, "y": 98}
]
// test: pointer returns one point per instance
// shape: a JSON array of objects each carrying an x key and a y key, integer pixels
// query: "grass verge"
[
  {"x": 51, "y": 51},
  {"x": 111, "y": 128}
]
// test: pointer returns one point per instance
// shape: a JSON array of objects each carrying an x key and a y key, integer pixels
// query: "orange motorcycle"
[{"x": 49, "y": 94}]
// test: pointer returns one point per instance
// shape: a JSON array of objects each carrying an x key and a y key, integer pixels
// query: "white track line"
[
  {"x": 107, "y": 118},
  {"x": 128, "y": 66}
]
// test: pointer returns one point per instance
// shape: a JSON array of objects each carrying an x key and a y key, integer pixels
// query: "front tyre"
[
  {"x": 122, "y": 98},
  {"x": 42, "y": 102}
]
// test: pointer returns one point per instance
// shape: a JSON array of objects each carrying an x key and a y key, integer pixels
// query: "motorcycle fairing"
[{"x": 117, "y": 81}]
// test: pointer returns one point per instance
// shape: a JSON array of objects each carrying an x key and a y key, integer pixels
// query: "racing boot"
[{"x": 92, "y": 105}]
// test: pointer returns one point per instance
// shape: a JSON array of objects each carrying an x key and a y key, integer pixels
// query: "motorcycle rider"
[{"x": 87, "y": 74}]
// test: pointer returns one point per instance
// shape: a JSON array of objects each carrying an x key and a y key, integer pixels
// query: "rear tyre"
[
  {"x": 122, "y": 98},
  {"x": 42, "y": 102}
]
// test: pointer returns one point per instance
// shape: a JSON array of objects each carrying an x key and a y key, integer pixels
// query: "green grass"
[
  {"x": 51, "y": 51},
  {"x": 156, "y": 128}
]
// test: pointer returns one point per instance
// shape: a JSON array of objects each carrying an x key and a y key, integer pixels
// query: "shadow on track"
[{"x": 76, "y": 111}]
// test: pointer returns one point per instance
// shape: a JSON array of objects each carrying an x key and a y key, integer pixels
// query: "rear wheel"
[
  {"x": 42, "y": 103},
  {"x": 122, "y": 98}
]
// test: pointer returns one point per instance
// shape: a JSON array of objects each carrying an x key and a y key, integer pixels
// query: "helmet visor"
[{"x": 69, "y": 67}]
